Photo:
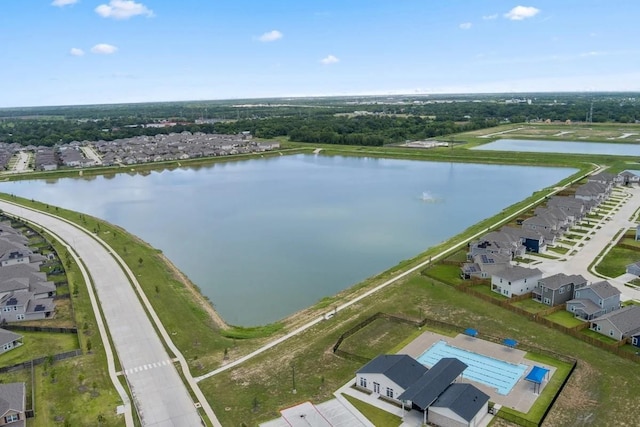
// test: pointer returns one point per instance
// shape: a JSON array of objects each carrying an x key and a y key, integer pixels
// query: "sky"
[{"x": 67, "y": 52}]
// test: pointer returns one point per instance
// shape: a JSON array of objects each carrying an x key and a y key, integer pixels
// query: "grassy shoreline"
[{"x": 206, "y": 345}]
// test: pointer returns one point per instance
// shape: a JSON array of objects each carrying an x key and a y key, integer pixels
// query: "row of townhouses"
[{"x": 491, "y": 257}]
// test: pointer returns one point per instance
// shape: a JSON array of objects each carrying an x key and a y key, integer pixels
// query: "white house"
[{"x": 515, "y": 280}]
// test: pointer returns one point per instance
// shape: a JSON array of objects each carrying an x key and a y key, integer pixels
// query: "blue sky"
[{"x": 59, "y": 52}]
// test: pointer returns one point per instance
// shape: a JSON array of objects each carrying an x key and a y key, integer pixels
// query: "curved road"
[{"x": 160, "y": 396}]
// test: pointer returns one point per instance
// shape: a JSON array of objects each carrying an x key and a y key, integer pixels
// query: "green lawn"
[
  {"x": 445, "y": 273},
  {"x": 564, "y": 318},
  {"x": 39, "y": 344},
  {"x": 486, "y": 289},
  {"x": 559, "y": 250},
  {"x": 531, "y": 306},
  {"x": 616, "y": 260},
  {"x": 599, "y": 336},
  {"x": 377, "y": 416}
]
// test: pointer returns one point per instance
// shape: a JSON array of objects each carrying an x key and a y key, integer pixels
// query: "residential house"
[
  {"x": 557, "y": 289},
  {"x": 544, "y": 223},
  {"x": 595, "y": 300},
  {"x": 571, "y": 205},
  {"x": 389, "y": 375},
  {"x": 12, "y": 405},
  {"x": 635, "y": 339},
  {"x": 629, "y": 177},
  {"x": 634, "y": 268},
  {"x": 515, "y": 280},
  {"x": 497, "y": 242},
  {"x": 603, "y": 178},
  {"x": 9, "y": 340},
  {"x": 533, "y": 241},
  {"x": 19, "y": 306},
  {"x": 565, "y": 219},
  {"x": 619, "y": 324},
  {"x": 484, "y": 265},
  {"x": 593, "y": 191},
  {"x": 459, "y": 405}
]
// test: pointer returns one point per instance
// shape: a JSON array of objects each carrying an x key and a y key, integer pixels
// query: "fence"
[
  {"x": 41, "y": 329},
  {"x": 539, "y": 317},
  {"x": 41, "y": 360}
]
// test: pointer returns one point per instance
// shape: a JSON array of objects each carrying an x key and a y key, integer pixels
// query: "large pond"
[
  {"x": 569, "y": 147},
  {"x": 266, "y": 237}
]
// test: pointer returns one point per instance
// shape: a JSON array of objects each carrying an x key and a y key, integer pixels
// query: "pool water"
[{"x": 486, "y": 370}]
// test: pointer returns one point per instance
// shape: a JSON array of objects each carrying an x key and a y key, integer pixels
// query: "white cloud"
[
  {"x": 62, "y": 3},
  {"x": 490, "y": 17},
  {"x": 271, "y": 36},
  {"x": 519, "y": 13},
  {"x": 329, "y": 59},
  {"x": 123, "y": 9},
  {"x": 76, "y": 52},
  {"x": 465, "y": 25},
  {"x": 104, "y": 49}
]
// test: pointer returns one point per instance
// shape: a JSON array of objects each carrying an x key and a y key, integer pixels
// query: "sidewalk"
[{"x": 593, "y": 247}]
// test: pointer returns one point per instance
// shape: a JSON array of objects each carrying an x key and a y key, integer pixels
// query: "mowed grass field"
[
  {"x": 602, "y": 391},
  {"x": 620, "y": 133}
]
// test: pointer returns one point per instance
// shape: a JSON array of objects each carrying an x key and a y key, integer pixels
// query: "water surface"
[
  {"x": 568, "y": 147},
  {"x": 266, "y": 237}
]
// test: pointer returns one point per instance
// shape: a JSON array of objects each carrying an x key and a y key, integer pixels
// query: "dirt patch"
[
  {"x": 197, "y": 296},
  {"x": 578, "y": 401}
]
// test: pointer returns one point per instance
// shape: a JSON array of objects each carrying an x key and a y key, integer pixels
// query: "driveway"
[
  {"x": 158, "y": 392},
  {"x": 599, "y": 240}
]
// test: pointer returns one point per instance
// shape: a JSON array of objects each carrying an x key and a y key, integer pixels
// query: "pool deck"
[{"x": 521, "y": 397}]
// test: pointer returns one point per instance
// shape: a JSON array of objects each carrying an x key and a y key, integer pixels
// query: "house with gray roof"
[
  {"x": 571, "y": 205},
  {"x": 20, "y": 306},
  {"x": 603, "y": 178},
  {"x": 515, "y": 280},
  {"x": 633, "y": 268},
  {"x": 459, "y": 405},
  {"x": 593, "y": 191},
  {"x": 13, "y": 405},
  {"x": 619, "y": 324},
  {"x": 557, "y": 289},
  {"x": 8, "y": 341},
  {"x": 389, "y": 375},
  {"x": 484, "y": 265},
  {"x": 532, "y": 240},
  {"x": 426, "y": 389},
  {"x": 497, "y": 242},
  {"x": 595, "y": 300},
  {"x": 544, "y": 223},
  {"x": 628, "y": 177}
]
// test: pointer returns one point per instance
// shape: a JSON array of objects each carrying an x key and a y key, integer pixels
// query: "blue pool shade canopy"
[
  {"x": 536, "y": 376},
  {"x": 471, "y": 332},
  {"x": 510, "y": 342}
]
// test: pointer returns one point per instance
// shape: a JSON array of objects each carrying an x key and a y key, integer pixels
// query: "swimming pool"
[{"x": 483, "y": 369}]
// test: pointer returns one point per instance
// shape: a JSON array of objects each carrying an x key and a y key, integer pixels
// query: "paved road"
[
  {"x": 600, "y": 240},
  {"x": 158, "y": 392}
]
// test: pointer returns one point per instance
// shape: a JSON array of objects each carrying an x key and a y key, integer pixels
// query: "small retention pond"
[
  {"x": 567, "y": 147},
  {"x": 266, "y": 237}
]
